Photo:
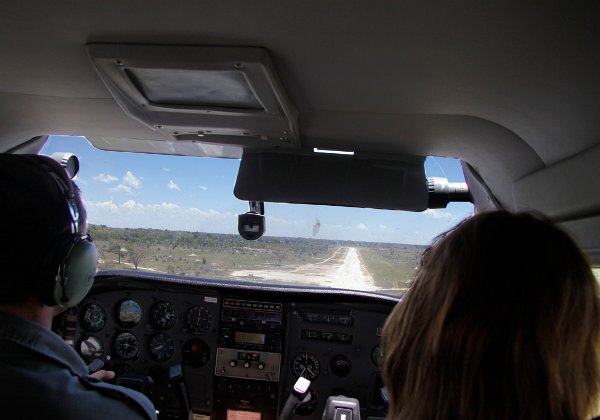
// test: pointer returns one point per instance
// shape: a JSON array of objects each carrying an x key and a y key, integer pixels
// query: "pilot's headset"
[{"x": 67, "y": 271}]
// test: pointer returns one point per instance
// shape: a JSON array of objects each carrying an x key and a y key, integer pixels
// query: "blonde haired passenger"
[{"x": 502, "y": 322}]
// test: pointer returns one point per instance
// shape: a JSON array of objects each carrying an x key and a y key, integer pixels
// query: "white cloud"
[
  {"x": 123, "y": 188},
  {"x": 438, "y": 214},
  {"x": 104, "y": 205},
  {"x": 202, "y": 187},
  {"x": 129, "y": 184},
  {"x": 383, "y": 227},
  {"x": 166, "y": 206},
  {"x": 361, "y": 226},
  {"x": 173, "y": 186},
  {"x": 132, "y": 180},
  {"x": 107, "y": 178},
  {"x": 130, "y": 204},
  {"x": 163, "y": 215}
]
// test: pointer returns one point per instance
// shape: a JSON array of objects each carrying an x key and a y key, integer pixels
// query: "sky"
[{"x": 196, "y": 194}]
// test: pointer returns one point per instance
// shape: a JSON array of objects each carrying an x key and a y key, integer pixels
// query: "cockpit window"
[{"x": 178, "y": 215}]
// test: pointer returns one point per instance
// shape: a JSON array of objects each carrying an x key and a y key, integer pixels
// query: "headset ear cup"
[{"x": 77, "y": 274}]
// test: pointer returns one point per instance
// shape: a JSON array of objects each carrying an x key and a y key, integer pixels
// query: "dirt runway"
[{"x": 343, "y": 269}]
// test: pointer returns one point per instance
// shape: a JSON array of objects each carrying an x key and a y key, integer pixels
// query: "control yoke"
[{"x": 341, "y": 408}]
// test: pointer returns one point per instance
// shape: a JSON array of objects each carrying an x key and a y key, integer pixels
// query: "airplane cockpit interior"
[{"x": 192, "y": 127}]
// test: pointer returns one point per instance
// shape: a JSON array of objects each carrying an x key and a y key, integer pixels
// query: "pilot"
[
  {"x": 502, "y": 322},
  {"x": 47, "y": 264}
]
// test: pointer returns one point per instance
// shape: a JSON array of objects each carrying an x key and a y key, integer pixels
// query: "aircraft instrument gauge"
[
  {"x": 91, "y": 347},
  {"x": 93, "y": 317},
  {"x": 126, "y": 345},
  {"x": 198, "y": 320},
  {"x": 129, "y": 313},
  {"x": 195, "y": 352},
  {"x": 161, "y": 347},
  {"x": 306, "y": 365},
  {"x": 163, "y": 316},
  {"x": 309, "y": 407}
]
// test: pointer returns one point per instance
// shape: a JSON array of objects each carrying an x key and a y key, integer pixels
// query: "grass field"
[{"x": 393, "y": 268}]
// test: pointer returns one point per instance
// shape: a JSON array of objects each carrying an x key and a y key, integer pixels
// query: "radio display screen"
[
  {"x": 266, "y": 316},
  {"x": 250, "y": 338}
]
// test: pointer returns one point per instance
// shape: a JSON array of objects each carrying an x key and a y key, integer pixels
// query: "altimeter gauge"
[{"x": 163, "y": 316}]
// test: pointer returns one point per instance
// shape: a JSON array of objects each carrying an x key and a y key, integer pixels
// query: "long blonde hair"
[{"x": 502, "y": 322}]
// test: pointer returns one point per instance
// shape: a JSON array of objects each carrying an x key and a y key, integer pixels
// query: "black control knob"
[
  {"x": 247, "y": 364},
  {"x": 233, "y": 363},
  {"x": 261, "y": 366}
]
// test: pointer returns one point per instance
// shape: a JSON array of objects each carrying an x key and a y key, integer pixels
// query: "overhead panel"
[{"x": 200, "y": 94}]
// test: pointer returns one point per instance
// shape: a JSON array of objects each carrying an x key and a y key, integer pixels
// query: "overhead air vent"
[{"x": 214, "y": 95}]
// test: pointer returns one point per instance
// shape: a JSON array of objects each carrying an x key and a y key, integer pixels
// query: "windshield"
[{"x": 178, "y": 215}]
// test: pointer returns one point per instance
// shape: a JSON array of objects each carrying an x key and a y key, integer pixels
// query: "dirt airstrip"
[{"x": 343, "y": 269}]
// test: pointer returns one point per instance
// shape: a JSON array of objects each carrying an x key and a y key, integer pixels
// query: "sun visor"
[
  {"x": 396, "y": 184},
  {"x": 214, "y": 95}
]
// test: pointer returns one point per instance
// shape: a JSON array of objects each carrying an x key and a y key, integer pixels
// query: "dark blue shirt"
[{"x": 43, "y": 377}]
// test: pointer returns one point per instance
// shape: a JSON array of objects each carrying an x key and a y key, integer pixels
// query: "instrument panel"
[{"x": 239, "y": 350}]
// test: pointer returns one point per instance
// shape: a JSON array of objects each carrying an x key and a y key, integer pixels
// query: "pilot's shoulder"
[{"x": 33, "y": 358}]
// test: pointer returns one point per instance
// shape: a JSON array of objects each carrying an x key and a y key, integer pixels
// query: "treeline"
[
  {"x": 214, "y": 255},
  {"x": 199, "y": 240}
]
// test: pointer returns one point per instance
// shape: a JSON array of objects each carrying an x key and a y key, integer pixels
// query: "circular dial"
[
  {"x": 340, "y": 365},
  {"x": 198, "y": 320},
  {"x": 195, "y": 353},
  {"x": 91, "y": 348},
  {"x": 93, "y": 317},
  {"x": 309, "y": 407},
  {"x": 306, "y": 365},
  {"x": 126, "y": 345},
  {"x": 163, "y": 316},
  {"x": 129, "y": 313},
  {"x": 161, "y": 347}
]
